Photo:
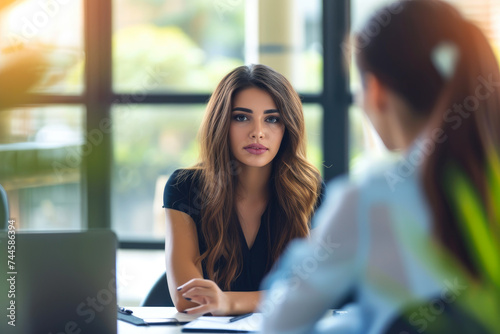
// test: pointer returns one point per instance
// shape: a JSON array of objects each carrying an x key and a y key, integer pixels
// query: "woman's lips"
[{"x": 256, "y": 149}]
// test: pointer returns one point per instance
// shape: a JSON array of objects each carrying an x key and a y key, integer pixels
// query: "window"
[
  {"x": 182, "y": 49},
  {"x": 40, "y": 144},
  {"x": 119, "y": 108},
  {"x": 54, "y": 28}
]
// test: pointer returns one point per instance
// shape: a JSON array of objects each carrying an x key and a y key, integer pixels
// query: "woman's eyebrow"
[
  {"x": 243, "y": 109},
  {"x": 268, "y": 111}
]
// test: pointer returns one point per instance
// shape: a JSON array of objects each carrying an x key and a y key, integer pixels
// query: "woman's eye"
[
  {"x": 240, "y": 118},
  {"x": 273, "y": 119}
]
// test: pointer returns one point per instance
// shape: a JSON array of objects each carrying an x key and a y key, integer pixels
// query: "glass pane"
[
  {"x": 289, "y": 39},
  {"x": 48, "y": 27},
  {"x": 187, "y": 46},
  {"x": 40, "y": 165},
  {"x": 365, "y": 145},
  {"x": 178, "y": 46},
  {"x": 313, "y": 114},
  {"x": 133, "y": 285},
  {"x": 149, "y": 143}
]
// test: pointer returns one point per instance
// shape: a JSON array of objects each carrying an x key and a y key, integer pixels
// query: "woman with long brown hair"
[
  {"x": 417, "y": 242},
  {"x": 231, "y": 215}
]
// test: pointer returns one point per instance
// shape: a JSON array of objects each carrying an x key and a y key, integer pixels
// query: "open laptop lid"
[{"x": 58, "y": 282}]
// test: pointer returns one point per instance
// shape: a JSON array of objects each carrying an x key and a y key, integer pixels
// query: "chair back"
[{"x": 159, "y": 294}]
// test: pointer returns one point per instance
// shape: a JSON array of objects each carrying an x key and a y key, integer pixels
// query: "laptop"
[{"x": 58, "y": 282}]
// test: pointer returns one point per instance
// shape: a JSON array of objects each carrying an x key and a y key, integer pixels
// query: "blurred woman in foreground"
[{"x": 426, "y": 230}]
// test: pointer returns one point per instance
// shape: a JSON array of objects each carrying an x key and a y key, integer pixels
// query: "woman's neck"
[
  {"x": 406, "y": 125},
  {"x": 253, "y": 182}
]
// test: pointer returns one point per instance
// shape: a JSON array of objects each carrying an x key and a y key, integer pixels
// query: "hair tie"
[{"x": 445, "y": 58}]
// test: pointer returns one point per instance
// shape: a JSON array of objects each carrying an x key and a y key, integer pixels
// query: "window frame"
[{"x": 98, "y": 99}]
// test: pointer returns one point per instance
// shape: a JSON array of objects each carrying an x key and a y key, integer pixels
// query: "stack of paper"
[{"x": 223, "y": 325}]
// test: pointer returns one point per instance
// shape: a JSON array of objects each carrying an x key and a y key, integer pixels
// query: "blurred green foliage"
[{"x": 151, "y": 58}]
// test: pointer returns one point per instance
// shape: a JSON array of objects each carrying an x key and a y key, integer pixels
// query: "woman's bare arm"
[{"x": 181, "y": 252}]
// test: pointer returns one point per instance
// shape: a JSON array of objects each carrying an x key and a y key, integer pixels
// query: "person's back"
[
  {"x": 417, "y": 240},
  {"x": 365, "y": 245},
  {"x": 392, "y": 265}
]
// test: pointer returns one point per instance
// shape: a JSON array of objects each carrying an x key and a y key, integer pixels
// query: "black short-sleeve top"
[{"x": 183, "y": 194}]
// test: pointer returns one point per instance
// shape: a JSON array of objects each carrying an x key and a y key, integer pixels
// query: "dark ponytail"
[{"x": 464, "y": 107}]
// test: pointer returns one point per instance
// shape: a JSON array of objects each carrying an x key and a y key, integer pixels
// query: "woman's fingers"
[
  {"x": 202, "y": 309},
  {"x": 207, "y": 294},
  {"x": 202, "y": 295},
  {"x": 196, "y": 282},
  {"x": 202, "y": 300},
  {"x": 199, "y": 292}
]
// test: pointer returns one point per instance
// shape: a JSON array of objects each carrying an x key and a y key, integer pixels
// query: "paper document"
[{"x": 223, "y": 325}]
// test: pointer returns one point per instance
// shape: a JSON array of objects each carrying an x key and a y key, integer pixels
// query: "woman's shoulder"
[
  {"x": 352, "y": 189},
  {"x": 384, "y": 184},
  {"x": 182, "y": 177},
  {"x": 182, "y": 190}
]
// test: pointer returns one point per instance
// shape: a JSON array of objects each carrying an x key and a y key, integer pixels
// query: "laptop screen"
[{"x": 58, "y": 282}]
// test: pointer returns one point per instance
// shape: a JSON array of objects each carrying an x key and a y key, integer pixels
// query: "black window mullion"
[
  {"x": 155, "y": 98},
  {"x": 336, "y": 94},
  {"x": 97, "y": 152}
]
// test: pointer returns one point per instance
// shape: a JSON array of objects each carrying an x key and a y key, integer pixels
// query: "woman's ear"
[{"x": 375, "y": 95}]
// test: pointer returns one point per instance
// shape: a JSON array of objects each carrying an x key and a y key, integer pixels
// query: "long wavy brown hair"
[
  {"x": 294, "y": 180},
  {"x": 400, "y": 56}
]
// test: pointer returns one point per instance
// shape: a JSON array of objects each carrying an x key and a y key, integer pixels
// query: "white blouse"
[{"x": 373, "y": 238}]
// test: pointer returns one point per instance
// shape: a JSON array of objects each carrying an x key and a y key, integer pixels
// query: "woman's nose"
[{"x": 257, "y": 131}]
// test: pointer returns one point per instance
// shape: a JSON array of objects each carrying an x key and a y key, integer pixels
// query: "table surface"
[{"x": 161, "y": 312}]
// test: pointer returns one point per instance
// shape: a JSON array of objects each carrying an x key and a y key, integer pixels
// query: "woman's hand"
[{"x": 208, "y": 295}]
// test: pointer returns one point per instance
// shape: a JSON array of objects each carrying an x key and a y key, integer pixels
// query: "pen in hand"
[{"x": 239, "y": 317}]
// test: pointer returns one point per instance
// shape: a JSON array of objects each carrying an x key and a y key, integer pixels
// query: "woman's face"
[{"x": 256, "y": 128}]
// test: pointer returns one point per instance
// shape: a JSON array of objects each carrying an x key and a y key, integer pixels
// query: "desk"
[
  {"x": 154, "y": 312},
  {"x": 161, "y": 312}
]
